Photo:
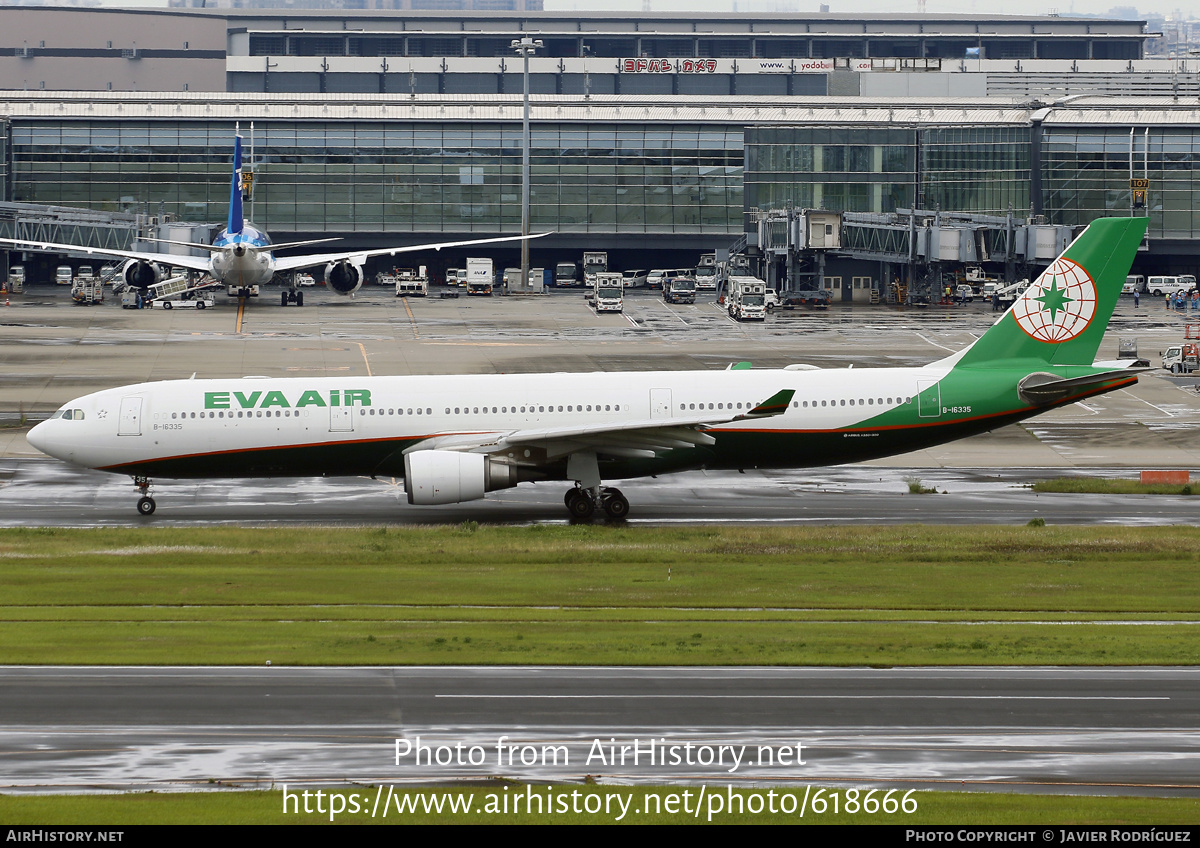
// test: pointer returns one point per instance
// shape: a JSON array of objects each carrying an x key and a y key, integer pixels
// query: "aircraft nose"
[{"x": 39, "y": 437}]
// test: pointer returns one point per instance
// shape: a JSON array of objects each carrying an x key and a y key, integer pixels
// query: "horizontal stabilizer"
[{"x": 1042, "y": 388}]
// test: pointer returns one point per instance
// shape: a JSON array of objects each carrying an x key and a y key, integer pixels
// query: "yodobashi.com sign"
[{"x": 741, "y": 66}]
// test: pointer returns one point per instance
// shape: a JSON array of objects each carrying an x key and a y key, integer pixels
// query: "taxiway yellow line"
[
  {"x": 412, "y": 319},
  {"x": 364, "y": 356},
  {"x": 241, "y": 310}
]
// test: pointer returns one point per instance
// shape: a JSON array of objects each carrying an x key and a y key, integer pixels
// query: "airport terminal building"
[{"x": 654, "y": 137}]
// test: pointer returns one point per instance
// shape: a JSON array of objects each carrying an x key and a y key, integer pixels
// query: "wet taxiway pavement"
[{"x": 1094, "y": 731}]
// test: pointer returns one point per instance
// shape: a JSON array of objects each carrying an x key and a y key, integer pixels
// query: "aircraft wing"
[
  {"x": 358, "y": 257},
  {"x": 194, "y": 263},
  {"x": 630, "y": 438}
]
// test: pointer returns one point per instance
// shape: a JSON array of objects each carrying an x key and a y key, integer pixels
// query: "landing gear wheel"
[
  {"x": 614, "y": 503},
  {"x": 581, "y": 505},
  {"x": 146, "y": 505},
  {"x": 299, "y": 298},
  {"x": 283, "y": 298}
]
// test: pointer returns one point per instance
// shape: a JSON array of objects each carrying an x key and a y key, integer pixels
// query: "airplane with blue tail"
[{"x": 242, "y": 256}]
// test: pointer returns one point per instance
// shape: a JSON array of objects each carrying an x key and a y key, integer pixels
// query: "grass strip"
[
  {"x": 471, "y": 594},
  {"x": 1109, "y": 486},
  {"x": 266, "y": 807}
]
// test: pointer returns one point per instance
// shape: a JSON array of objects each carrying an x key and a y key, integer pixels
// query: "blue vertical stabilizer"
[{"x": 235, "y": 190}]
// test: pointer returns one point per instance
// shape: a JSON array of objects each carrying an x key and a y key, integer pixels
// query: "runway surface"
[
  {"x": 50, "y": 493},
  {"x": 1099, "y": 731}
]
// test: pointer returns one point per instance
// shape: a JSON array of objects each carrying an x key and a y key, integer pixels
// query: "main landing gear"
[
  {"x": 145, "y": 504},
  {"x": 581, "y": 502},
  {"x": 294, "y": 296}
]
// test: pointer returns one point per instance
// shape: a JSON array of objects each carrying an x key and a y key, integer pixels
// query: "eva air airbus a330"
[{"x": 456, "y": 438}]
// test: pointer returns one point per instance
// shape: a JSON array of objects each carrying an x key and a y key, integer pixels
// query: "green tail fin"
[{"x": 1061, "y": 318}]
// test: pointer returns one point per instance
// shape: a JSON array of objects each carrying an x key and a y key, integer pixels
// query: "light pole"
[{"x": 525, "y": 47}]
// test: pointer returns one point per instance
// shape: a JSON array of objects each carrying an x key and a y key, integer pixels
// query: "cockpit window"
[{"x": 69, "y": 414}]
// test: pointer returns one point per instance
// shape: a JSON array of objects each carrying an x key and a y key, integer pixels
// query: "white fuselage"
[{"x": 192, "y": 418}]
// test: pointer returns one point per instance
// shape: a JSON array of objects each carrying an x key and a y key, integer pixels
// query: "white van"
[
  {"x": 1160, "y": 286},
  {"x": 63, "y": 275}
]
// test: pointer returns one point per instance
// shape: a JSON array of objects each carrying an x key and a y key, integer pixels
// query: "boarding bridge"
[
  {"x": 66, "y": 225},
  {"x": 927, "y": 245}
]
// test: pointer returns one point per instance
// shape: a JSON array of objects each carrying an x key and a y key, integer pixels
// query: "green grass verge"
[
  {"x": 933, "y": 808},
  {"x": 1108, "y": 486},
  {"x": 600, "y": 595}
]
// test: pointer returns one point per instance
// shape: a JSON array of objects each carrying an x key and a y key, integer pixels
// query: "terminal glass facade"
[
  {"x": 975, "y": 169},
  {"x": 1087, "y": 170},
  {"x": 394, "y": 176},
  {"x": 859, "y": 169}
]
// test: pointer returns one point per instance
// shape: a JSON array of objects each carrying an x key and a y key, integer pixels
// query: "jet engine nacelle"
[
  {"x": 140, "y": 274},
  {"x": 344, "y": 277},
  {"x": 446, "y": 477}
]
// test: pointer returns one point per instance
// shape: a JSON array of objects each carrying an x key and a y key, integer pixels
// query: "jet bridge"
[{"x": 925, "y": 249}]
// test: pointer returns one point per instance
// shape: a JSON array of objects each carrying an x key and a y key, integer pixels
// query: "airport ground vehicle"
[
  {"x": 608, "y": 293},
  {"x": 16, "y": 279},
  {"x": 1010, "y": 293},
  {"x": 410, "y": 282},
  {"x": 655, "y": 278},
  {"x": 705, "y": 273},
  {"x": 585, "y": 428},
  {"x": 680, "y": 288},
  {"x": 87, "y": 290},
  {"x": 1182, "y": 358},
  {"x": 978, "y": 280},
  {"x": 747, "y": 299},
  {"x": 634, "y": 279},
  {"x": 770, "y": 299},
  {"x": 1162, "y": 286},
  {"x": 481, "y": 275},
  {"x": 201, "y": 302},
  {"x": 567, "y": 274},
  {"x": 594, "y": 262},
  {"x": 456, "y": 276},
  {"x": 1134, "y": 283},
  {"x": 64, "y": 275}
]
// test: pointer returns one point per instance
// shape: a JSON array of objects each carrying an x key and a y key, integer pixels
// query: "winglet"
[{"x": 776, "y": 404}]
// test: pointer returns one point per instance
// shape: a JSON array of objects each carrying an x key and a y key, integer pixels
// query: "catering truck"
[
  {"x": 594, "y": 262},
  {"x": 747, "y": 299},
  {"x": 608, "y": 292}
]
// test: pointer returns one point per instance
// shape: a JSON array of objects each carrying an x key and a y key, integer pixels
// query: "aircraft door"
[
  {"x": 341, "y": 419},
  {"x": 660, "y": 403},
  {"x": 929, "y": 398},
  {"x": 131, "y": 417}
]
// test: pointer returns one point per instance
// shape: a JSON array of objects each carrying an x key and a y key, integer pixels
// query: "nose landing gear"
[{"x": 145, "y": 504}]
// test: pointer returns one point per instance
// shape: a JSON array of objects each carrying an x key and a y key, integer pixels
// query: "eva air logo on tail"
[{"x": 1060, "y": 305}]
